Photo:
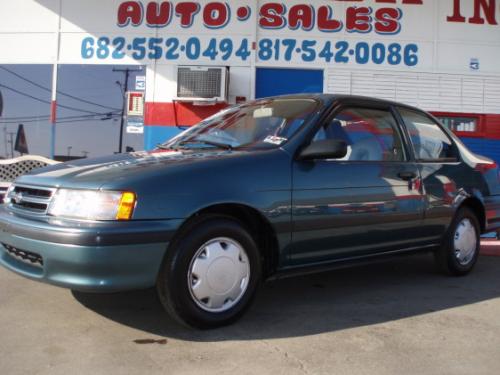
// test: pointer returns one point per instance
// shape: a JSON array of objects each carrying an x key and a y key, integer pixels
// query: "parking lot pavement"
[{"x": 399, "y": 317}]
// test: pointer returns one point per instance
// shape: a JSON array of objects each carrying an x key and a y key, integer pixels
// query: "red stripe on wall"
[
  {"x": 492, "y": 126},
  {"x": 53, "y": 111},
  {"x": 179, "y": 114},
  {"x": 488, "y": 124}
]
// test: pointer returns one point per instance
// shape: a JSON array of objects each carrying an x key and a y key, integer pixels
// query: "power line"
[
  {"x": 59, "y": 92},
  {"x": 45, "y": 101},
  {"x": 64, "y": 121},
  {"x": 83, "y": 120},
  {"x": 46, "y": 117},
  {"x": 107, "y": 116},
  {"x": 25, "y": 117}
]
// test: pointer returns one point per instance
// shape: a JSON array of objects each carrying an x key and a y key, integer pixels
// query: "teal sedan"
[{"x": 266, "y": 189}]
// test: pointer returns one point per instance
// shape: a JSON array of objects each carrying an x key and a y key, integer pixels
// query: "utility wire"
[
  {"x": 59, "y": 122},
  {"x": 83, "y": 120},
  {"x": 67, "y": 119},
  {"x": 45, "y": 101},
  {"x": 59, "y": 92},
  {"x": 46, "y": 117},
  {"x": 25, "y": 117}
]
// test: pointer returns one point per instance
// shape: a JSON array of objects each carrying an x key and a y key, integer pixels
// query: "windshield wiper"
[
  {"x": 165, "y": 147},
  {"x": 225, "y": 146}
]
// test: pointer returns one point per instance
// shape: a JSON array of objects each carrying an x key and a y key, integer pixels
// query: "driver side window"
[{"x": 370, "y": 134}]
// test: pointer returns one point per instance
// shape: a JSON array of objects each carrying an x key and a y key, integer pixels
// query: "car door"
[
  {"x": 369, "y": 201},
  {"x": 439, "y": 165}
]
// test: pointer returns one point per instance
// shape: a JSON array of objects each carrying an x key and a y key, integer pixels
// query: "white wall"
[
  {"x": 49, "y": 31},
  {"x": 430, "y": 91}
]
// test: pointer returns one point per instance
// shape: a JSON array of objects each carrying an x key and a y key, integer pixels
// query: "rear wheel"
[
  {"x": 210, "y": 274},
  {"x": 460, "y": 250}
]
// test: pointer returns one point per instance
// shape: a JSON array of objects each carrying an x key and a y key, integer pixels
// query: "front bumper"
[{"x": 97, "y": 257}]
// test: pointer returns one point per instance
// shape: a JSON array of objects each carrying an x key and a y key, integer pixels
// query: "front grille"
[
  {"x": 24, "y": 256},
  {"x": 33, "y": 199}
]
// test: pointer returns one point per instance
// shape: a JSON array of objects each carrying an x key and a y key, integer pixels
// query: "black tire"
[
  {"x": 174, "y": 292},
  {"x": 446, "y": 257}
]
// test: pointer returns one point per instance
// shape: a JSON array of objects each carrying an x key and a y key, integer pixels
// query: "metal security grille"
[
  {"x": 429, "y": 91},
  {"x": 197, "y": 83}
]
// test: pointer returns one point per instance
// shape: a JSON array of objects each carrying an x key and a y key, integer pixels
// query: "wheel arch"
[
  {"x": 253, "y": 220},
  {"x": 477, "y": 207}
]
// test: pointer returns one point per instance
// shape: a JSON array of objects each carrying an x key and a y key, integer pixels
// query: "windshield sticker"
[{"x": 275, "y": 140}]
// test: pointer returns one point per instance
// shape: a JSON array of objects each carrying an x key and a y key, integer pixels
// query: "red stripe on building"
[
  {"x": 53, "y": 112},
  {"x": 488, "y": 125},
  {"x": 178, "y": 114},
  {"x": 490, "y": 247}
]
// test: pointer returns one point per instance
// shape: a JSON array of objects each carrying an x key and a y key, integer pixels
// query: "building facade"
[{"x": 440, "y": 55}]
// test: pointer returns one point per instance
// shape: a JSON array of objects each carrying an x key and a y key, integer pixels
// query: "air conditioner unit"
[{"x": 202, "y": 84}]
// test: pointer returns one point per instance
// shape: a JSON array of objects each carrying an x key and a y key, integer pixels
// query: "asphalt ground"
[{"x": 397, "y": 317}]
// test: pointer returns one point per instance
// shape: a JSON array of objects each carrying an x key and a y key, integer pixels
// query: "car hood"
[{"x": 96, "y": 172}]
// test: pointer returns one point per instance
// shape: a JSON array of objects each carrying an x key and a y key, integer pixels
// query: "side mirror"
[{"x": 325, "y": 149}]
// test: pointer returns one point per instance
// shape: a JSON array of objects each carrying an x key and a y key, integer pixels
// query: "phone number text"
[
  {"x": 164, "y": 48},
  {"x": 268, "y": 50},
  {"x": 339, "y": 52}
]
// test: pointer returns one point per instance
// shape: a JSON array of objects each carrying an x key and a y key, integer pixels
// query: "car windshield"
[{"x": 258, "y": 124}]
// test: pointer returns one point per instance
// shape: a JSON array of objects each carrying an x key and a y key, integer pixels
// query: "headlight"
[{"x": 93, "y": 205}]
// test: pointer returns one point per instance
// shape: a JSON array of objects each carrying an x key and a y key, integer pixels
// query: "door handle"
[{"x": 407, "y": 176}]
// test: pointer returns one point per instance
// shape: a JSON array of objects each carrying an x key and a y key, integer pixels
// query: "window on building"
[
  {"x": 371, "y": 134},
  {"x": 26, "y": 91},
  {"x": 90, "y": 102},
  {"x": 459, "y": 124},
  {"x": 429, "y": 141}
]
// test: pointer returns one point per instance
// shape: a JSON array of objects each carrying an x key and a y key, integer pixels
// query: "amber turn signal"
[{"x": 126, "y": 206}]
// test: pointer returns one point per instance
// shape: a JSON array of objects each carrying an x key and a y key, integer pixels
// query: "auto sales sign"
[{"x": 401, "y": 34}]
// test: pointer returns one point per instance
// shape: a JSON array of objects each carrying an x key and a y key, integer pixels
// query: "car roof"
[{"x": 329, "y": 99}]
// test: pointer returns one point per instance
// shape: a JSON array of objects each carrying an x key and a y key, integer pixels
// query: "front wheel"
[
  {"x": 210, "y": 274},
  {"x": 461, "y": 244}
]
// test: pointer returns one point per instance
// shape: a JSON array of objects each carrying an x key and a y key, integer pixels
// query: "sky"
[{"x": 89, "y": 109}]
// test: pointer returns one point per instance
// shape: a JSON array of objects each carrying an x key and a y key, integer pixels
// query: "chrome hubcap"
[
  {"x": 465, "y": 242},
  {"x": 219, "y": 275}
]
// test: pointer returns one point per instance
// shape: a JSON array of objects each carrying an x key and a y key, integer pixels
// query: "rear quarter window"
[{"x": 430, "y": 142}]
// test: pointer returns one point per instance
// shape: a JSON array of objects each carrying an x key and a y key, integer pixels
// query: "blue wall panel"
[
  {"x": 153, "y": 135},
  {"x": 271, "y": 82},
  {"x": 486, "y": 147}
]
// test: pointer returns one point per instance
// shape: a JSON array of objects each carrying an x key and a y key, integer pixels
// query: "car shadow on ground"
[{"x": 315, "y": 304}]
